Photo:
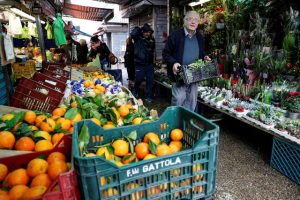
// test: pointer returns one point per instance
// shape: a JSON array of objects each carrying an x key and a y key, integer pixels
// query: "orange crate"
[
  {"x": 25, "y": 69},
  {"x": 49, "y": 81},
  {"x": 68, "y": 185},
  {"x": 55, "y": 75}
]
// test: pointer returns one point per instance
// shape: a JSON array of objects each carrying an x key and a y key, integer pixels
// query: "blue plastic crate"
[
  {"x": 286, "y": 159},
  {"x": 188, "y": 174}
]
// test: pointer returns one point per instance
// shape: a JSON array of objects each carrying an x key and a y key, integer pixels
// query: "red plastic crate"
[
  {"x": 54, "y": 75},
  {"x": 49, "y": 81},
  {"x": 33, "y": 85},
  {"x": 58, "y": 70},
  {"x": 68, "y": 185},
  {"x": 33, "y": 101}
]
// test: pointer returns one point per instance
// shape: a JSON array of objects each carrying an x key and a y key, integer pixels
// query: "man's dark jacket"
[{"x": 173, "y": 51}]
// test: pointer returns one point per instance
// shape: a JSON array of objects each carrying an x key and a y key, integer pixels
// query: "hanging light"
[{"x": 196, "y": 3}]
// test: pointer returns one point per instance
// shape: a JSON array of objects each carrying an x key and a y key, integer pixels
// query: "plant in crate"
[{"x": 292, "y": 104}]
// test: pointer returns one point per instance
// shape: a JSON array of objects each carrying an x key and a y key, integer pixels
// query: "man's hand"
[
  {"x": 207, "y": 58},
  {"x": 176, "y": 67}
]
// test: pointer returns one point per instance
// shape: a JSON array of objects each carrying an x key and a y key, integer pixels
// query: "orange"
[
  {"x": 56, "y": 156},
  {"x": 96, "y": 121},
  {"x": 56, "y": 138},
  {"x": 162, "y": 150},
  {"x": 35, "y": 192},
  {"x": 137, "y": 120},
  {"x": 74, "y": 104},
  {"x": 39, "y": 119},
  {"x": 43, "y": 134},
  {"x": 121, "y": 147},
  {"x": 18, "y": 177},
  {"x": 107, "y": 126},
  {"x": 55, "y": 118},
  {"x": 174, "y": 148},
  {"x": 37, "y": 166},
  {"x": 153, "y": 137},
  {"x": 124, "y": 110},
  {"x": 32, "y": 127},
  {"x": 17, "y": 192},
  {"x": 100, "y": 88},
  {"x": 77, "y": 118},
  {"x": 70, "y": 130},
  {"x": 4, "y": 196},
  {"x": 128, "y": 158},
  {"x": 43, "y": 145},
  {"x": 25, "y": 144},
  {"x": 7, "y": 117},
  {"x": 3, "y": 171},
  {"x": 103, "y": 151},
  {"x": 176, "y": 143},
  {"x": 149, "y": 156},
  {"x": 64, "y": 123},
  {"x": 42, "y": 180},
  {"x": 48, "y": 125},
  {"x": 59, "y": 112},
  {"x": 90, "y": 154},
  {"x": 176, "y": 134},
  {"x": 142, "y": 150},
  {"x": 30, "y": 117},
  {"x": 56, "y": 168},
  {"x": 146, "y": 120},
  {"x": 7, "y": 140},
  {"x": 110, "y": 192}
]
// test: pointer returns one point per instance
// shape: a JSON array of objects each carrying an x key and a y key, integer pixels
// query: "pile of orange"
[
  {"x": 119, "y": 150},
  {"x": 34, "y": 180},
  {"x": 41, "y": 132}
]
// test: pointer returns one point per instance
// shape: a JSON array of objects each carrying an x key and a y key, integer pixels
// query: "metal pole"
[{"x": 41, "y": 37}]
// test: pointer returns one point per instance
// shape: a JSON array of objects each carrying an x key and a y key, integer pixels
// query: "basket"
[
  {"x": 50, "y": 82},
  {"x": 28, "y": 95},
  {"x": 68, "y": 185},
  {"x": 56, "y": 76},
  {"x": 190, "y": 75},
  {"x": 58, "y": 70},
  {"x": 25, "y": 69},
  {"x": 189, "y": 174},
  {"x": 286, "y": 159}
]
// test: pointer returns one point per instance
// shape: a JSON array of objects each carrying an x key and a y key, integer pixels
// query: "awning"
[{"x": 84, "y": 12}]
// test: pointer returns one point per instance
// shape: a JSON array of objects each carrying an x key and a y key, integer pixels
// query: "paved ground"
[{"x": 244, "y": 172}]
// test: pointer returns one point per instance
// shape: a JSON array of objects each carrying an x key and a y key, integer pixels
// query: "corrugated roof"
[{"x": 84, "y": 12}]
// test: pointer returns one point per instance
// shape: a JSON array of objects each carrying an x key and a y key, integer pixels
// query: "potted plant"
[{"x": 292, "y": 104}]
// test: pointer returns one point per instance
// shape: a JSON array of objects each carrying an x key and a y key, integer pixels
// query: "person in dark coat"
[
  {"x": 183, "y": 47},
  {"x": 97, "y": 46},
  {"x": 84, "y": 52},
  {"x": 144, "y": 47},
  {"x": 68, "y": 48},
  {"x": 129, "y": 59}
]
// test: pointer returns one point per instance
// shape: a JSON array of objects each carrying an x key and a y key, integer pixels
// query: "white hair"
[{"x": 191, "y": 12}]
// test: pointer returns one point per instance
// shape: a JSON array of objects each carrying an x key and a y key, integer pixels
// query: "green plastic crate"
[
  {"x": 189, "y": 174},
  {"x": 286, "y": 159}
]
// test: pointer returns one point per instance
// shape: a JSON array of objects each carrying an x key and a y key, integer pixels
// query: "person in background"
[
  {"x": 144, "y": 46},
  {"x": 129, "y": 59},
  {"x": 84, "y": 52},
  {"x": 183, "y": 47},
  {"x": 100, "y": 47},
  {"x": 70, "y": 42}
]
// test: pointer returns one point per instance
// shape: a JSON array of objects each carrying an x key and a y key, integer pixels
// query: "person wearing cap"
[
  {"x": 99, "y": 47},
  {"x": 144, "y": 46},
  {"x": 183, "y": 47}
]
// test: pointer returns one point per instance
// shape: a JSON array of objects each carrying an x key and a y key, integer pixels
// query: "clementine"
[
  {"x": 121, "y": 147},
  {"x": 25, "y": 144},
  {"x": 176, "y": 134},
  {"x": 37, "y": 166},
  {"x": 30, "y": 117},
  {"x": 41, "y": 180},
  {"x": 142, "y": 150},
  {"x": 56, "y": 168},
  {"x": 3, "y": 171},
  {"x": 7, "y": 140}
]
